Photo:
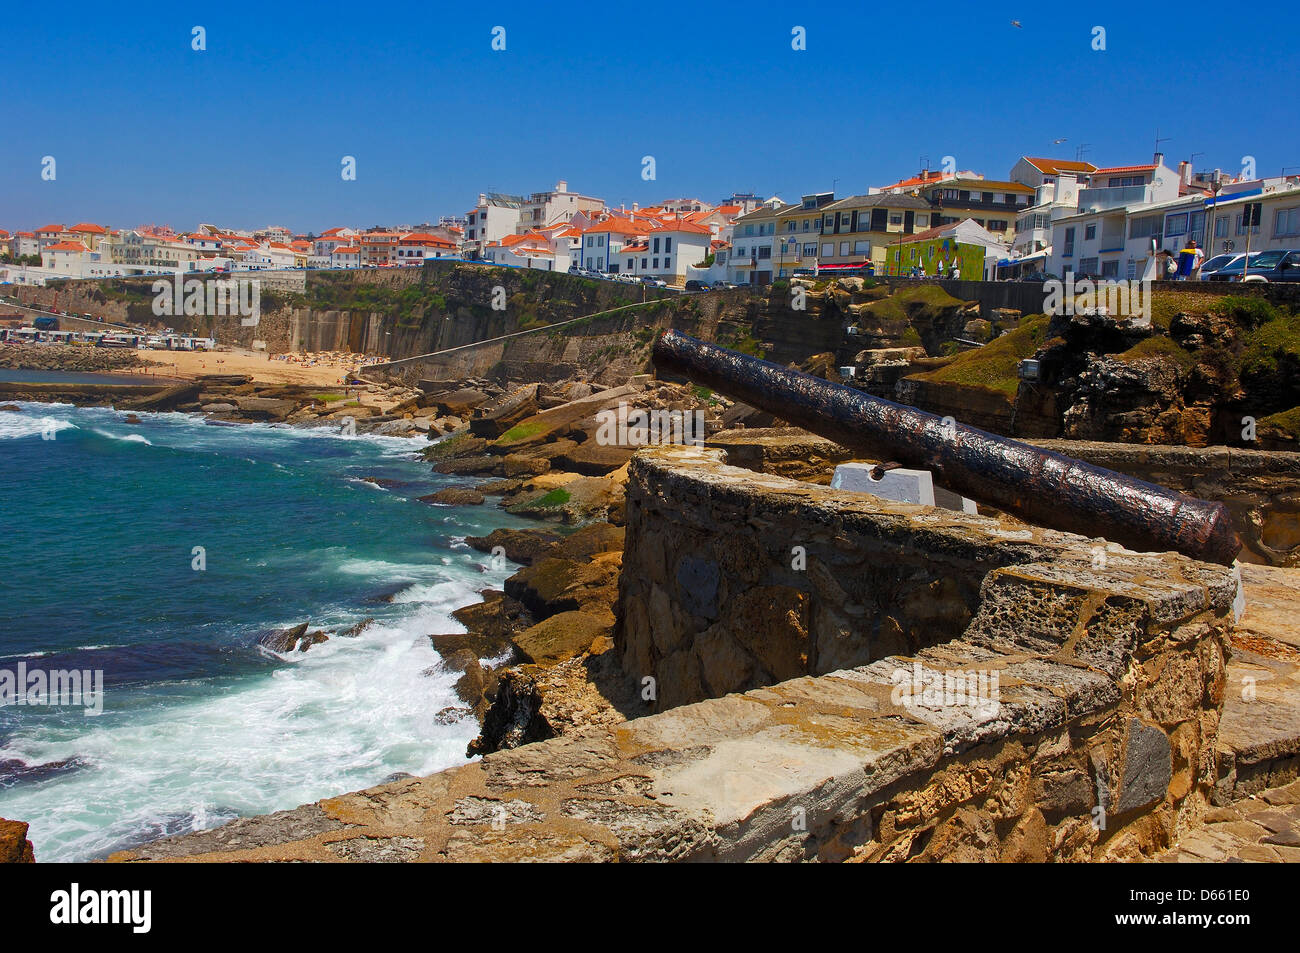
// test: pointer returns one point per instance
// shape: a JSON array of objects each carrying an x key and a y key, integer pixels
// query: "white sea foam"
[{"x": 17, "y": 425}]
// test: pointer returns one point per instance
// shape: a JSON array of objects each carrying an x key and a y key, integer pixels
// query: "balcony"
[{"x": 1101, "y": 200}]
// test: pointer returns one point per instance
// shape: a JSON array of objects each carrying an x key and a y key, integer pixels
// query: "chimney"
[
  {"x": 1185, "y": 173},
  {"x": 482, "y": 198},
  {"x": 1159, "y": 158},
  {"x": 561, "y": 186}
]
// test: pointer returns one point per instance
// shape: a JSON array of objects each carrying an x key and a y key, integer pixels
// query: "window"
[
  {"x": 1148, "y": 226},
  {"x": 844, "y": 249},
  {"x": 1087, "y": 266},
  {"x": 645, "y": 263},
  {"x": 765, "y": 252},
  {"x": 668, "y": 263},
  {"x": 951, "y": 195},
  {"x": 986, "y": 197},
  {"x": 1123, "y": 181},
  {"x": 1241, "y": 229},
  {"x": 668, "y": 244},
  {"x": 630, "y": 263},
  {"x": 810, "y": 250},
  {"x": 997, "y": 225},
  {"x": 895, "y": 220},
  {"x": 828, "y": 223},
  {"x": 655, "y": 248},
  {"x": 1110, "y": 269},
  {"x": 740, "y": 251},
  {"x": 828, "y": 250},
  {"x": 656, "y": 264},
  {"x": 862, "y": 248},
  {"x": 1287, "y": 222},
  {"x": 791, "y": 225},
  {"x": 922, "y": 221},
  {"x": 1067, "y": 247},
  {"x": 1090, "y": 232},
  {"x": 1176, "y": 225},
  {"x": 1221, "y": 226}
]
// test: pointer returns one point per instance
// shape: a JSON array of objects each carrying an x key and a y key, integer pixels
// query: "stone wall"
[{"x": 1096, "y": 740}]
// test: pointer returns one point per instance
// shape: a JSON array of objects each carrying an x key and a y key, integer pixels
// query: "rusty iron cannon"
[{"x": 1041, "y": 487}]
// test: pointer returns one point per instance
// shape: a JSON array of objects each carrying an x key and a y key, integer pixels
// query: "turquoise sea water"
[{"x": 201, "y": 724}]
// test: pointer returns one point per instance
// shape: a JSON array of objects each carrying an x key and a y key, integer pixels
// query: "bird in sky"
[
  {"x": 1016, "y": 24},
  {"x": 1057, "y": 142}
]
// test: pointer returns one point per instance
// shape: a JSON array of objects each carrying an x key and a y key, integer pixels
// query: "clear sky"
[{"x": 252, "y": 131}]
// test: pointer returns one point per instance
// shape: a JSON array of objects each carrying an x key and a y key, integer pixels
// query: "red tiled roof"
[
  {"x": 1126, "y": 168},
  {"x": 683, "y": 226},
  {"x": 88, "y": 227},
  {"x": 66, "y": 246},
  {"x": 347, "y": 250},
  {"x": 1056, "y": 166},
  {"x": 49, "y": 228}
]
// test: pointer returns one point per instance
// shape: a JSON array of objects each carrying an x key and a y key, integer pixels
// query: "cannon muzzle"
[{"x": 1041, "y": 487}]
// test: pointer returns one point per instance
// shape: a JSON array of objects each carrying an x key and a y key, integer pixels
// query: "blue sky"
[{"x": 252, "y": 131}]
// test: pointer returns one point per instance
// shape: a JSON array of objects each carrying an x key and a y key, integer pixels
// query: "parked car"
[
  {"x": 653, "y": 282},
  {"x": 1264, "y": 266},
  {"x": 1216, "y": 264},
  {"x": 693, "y": 285},
  {"x": 1038, "y": 277},
  {"x": 802, "y": 273},
  {"x": 722, "y": 285}
]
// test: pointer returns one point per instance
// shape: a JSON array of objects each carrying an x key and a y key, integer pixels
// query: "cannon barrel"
[{"x": 1041, "y": 487}]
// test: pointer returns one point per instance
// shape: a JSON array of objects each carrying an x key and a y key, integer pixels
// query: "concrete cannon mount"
[{"x": 814, "y": 658}]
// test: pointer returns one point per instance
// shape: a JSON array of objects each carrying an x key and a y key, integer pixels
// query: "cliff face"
[{"x": 1218, "y": 371}]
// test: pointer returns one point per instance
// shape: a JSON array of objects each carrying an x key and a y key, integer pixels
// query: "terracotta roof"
[
  {"x": 1126, "y": 168},
  {"x": 728, "y": 209},
  {"x": 1057, "y": 166},
  {"x": 347, "y": 250},
  {"x": 87, "y": 227},
  {"x": 925, "y": 178},
  {"x": 619, "y": 226},
  {"x": 422, "y": 238},
  {"x": 984, "y": 185},
  {"x": 692, "y": 228},
  {"x": 49, "y": 228},
  {"x": 66, "y": 246}
]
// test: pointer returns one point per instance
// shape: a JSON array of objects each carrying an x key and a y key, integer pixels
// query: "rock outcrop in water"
[{"x": 15, "y": 848}]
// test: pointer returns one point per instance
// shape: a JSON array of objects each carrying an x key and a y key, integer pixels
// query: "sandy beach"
[{"x": 316, "y": 370}]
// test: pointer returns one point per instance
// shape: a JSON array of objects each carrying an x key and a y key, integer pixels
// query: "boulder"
[
  {"x": 454, "y": 496},
  {"x": 268, "y": 408},
  {"x": 591, "y": 458},
  {"x": 519, "y": 545},
  {"x": 352, "y": 631},
  {"x": 460, "y": 403},
  {"x": 519, "y": 406},
  {"x": 563, "y": 636},
  {"x": 11, "y": 409},
  {"x": 218, "y": 408},
  {"x": 297, "y": 637}
]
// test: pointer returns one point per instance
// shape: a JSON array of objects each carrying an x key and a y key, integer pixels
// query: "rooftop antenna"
[
  {"x": 1159, "y": 140},
  {"x": 1081, "y": 151}
]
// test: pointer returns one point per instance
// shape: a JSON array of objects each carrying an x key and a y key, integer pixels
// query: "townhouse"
[
  {"x": 1118, "y": 223},
  {"x": 378, "y": 248},
  {"x": 993, "y": 205},
  {"x": 1056, "y": 184},
  {"x": 603, "y": 241},
  {"x": 753, "y": 238},
  {"x": 860, "y": 228},
  {"x": 556, "y": 206},
  {"x": 798, "y": 231},
  {"x": 414, "y": 247},
  {"x": 964, "y": 249},
  {"x": 666, "y": 251}
]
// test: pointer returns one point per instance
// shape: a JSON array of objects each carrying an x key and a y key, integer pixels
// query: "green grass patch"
[
  {"x": 1288, "y": 422},
  {"x": 1159, "y": 346},
  {"x": 1270, "y": 346},
  {"x": 994, "y": 366},
  {"x": 522, "y": 431},
  {"x": 327, "y": 398},
  {"x": 557, "y": 497}
]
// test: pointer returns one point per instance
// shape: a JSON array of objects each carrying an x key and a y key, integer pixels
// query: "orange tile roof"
[
  {"x": 728, "y": 209},
  {"x": 683, "y": 225},
  {"x": 87, "y": 227},
  {"x": 66, "y": 246},
  {"x": 347, "y": 250},
  {"x": 619, "y": 226},
  {"x": 1126, "y": 168},
  {"x": 1056, "y": 166},
  {"x": 49, "y": 228}
]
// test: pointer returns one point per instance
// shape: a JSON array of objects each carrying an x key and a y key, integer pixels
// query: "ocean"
[{"x": 157, "y": 553}]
